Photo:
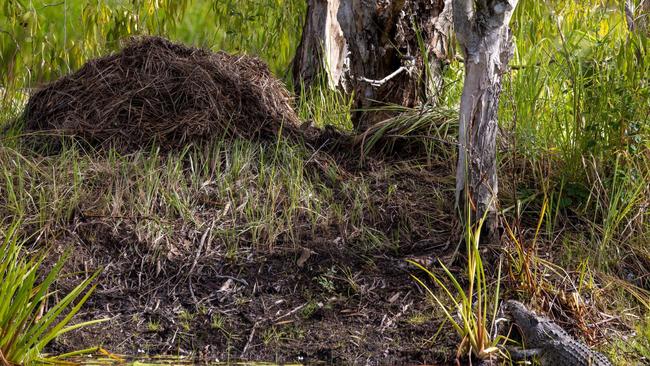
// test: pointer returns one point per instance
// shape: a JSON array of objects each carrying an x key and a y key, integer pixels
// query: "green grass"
[
  {"x": 198, "y": 186},
  {"x": 27, "y": 322},
  {"x": 574, "y": 154},
  {"x": 41, "y": 40},
  {"x": 473, "y": 309},
  {"x": 579, "y": 89}
]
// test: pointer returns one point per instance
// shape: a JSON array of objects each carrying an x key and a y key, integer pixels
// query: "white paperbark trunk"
[
  {"x": 323, "y": 46},
  {"x": 637, "y": 16},
  {"x": 482, "y": 31}
]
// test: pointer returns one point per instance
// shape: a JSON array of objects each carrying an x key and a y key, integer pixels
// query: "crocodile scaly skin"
[{"x": 548, "y": 342}]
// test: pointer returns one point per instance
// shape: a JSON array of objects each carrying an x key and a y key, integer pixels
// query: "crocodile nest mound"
[{"x": 163, "y": 92}]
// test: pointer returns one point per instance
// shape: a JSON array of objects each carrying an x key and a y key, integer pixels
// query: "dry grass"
[{"x": 154, "y": 90}]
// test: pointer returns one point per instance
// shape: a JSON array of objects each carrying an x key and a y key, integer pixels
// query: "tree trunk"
[
  {"x": 637, "y": 17},
  {"x": 482, "y": 31},
  {"x": 370, "y": 49},
  {"x": 644, "y": 15}
]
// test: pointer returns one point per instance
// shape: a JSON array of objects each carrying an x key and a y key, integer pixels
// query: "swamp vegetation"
[{"x": 284, "y": 250}]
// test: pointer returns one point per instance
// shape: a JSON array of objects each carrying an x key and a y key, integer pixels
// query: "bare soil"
[
  {"x": 326, "y": 297},
  {"x": 328, "y": 293}
]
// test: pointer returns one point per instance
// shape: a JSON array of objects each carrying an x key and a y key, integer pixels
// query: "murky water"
[{"x": 150, "y": 361}]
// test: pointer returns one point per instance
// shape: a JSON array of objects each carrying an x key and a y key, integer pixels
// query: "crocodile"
[{"x": 547, "y": 342}]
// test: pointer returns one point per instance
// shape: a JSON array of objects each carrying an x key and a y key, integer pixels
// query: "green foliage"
[
  {"x": 27, "y": 324},
  {"x": 428, "y": 126},
  {"x": 576, "y": 110},
  {"x": 619, "y": 207},
  {"x": 41, "y": 40},
  {"x": 580, "y": 84},
  {"x": 576, "y": 106},
  {"x": 266, "y": 28},
  {"x": 639, "y": 345},
  {"x": 473, "y": 304},
  {"x": 325, "y": 107}
]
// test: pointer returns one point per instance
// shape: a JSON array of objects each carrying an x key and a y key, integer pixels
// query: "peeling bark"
[
  {"x": 637, "y": 18},
  {"x": 629, "y": 15},
  {"x": 370, "y": 48},
  {"x": 644, "y": 15},
  {"x": 482, "y": 31}
]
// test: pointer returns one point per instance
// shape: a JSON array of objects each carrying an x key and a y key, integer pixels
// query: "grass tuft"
[{"x": 27, "y": 323}]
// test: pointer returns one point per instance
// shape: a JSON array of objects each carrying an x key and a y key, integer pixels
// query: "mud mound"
[{"x": 156, "y": 90}]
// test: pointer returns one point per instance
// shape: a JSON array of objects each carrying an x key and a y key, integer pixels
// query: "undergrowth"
[
  {"x": 27, "y": 322},
  {"x": 476, "y": 306},
  {"x": 574, "y": 154}
]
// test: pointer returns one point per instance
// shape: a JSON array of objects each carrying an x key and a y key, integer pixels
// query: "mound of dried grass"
[{"x": 158, "y": 91}]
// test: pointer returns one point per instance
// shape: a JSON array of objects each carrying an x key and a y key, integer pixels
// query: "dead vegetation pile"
[
  {"x": 163, "y": 92},
  {"x": 214, "y": 286},
  {"x": 157, "y": 91}
]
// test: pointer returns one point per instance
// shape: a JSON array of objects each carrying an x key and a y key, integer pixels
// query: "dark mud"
[{"x": 327, "y": 295}]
